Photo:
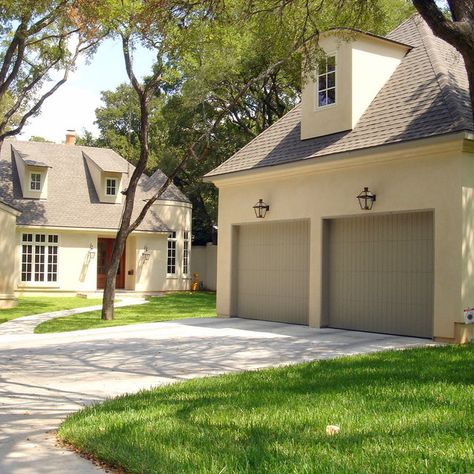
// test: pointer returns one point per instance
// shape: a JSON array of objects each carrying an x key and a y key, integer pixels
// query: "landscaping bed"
[
  {"x": 163, "y": 308},
  {"x": 408, "y": 411},
  {"x": 29, "y": 305}
]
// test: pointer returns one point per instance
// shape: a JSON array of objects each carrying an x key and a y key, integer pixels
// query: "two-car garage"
[{"x": 377, "y": 273}]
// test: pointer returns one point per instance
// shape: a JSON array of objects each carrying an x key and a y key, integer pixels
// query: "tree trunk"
[
  {"x": 124, "y": 228},
  {"x": 111, "y": 277},
  {"x": 469, "y": 62}
]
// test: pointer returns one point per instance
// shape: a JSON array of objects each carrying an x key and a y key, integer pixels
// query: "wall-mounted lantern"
[
  {"x": 261, "y": 209},
  {"x": 91, "y": 251},
  {"x": 366, "y": 199},
  {"x": 146, "y": 254}
]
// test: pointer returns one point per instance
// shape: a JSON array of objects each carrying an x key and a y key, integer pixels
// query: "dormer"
[
  {"x": 354, "y": 68},
  {"x": 33, "y": 176},
  {"x": 108, "y": 171}
]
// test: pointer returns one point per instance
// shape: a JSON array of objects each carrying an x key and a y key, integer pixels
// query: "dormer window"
[
  {"x": 35, "y": 182},
  {"x": 326, "y": 82},
  {"x": 111, "y": 187}
]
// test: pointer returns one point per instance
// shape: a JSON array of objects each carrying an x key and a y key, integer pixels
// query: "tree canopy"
[
  {"x": 255, "y": 47},
  {"x": 40, "y": 42}
]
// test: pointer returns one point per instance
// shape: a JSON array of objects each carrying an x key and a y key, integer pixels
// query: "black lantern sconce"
[
  {"x": 91, "y": 251},
  {"x": 261, "y": 209},
  {"x": 366, "y": 199},
  {"x": 146, "y": 254}
]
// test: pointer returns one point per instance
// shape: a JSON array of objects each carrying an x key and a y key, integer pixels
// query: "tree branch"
[
  {"x": 453, "y": 32},
  {"x": 7, "y": 60},
  {"x": 129, "y": 66}
]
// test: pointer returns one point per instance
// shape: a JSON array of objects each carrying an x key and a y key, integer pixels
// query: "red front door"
[{"x": 104, "y": 255}]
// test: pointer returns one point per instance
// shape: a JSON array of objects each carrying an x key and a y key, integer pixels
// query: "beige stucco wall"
[
  {"x": 468, "y": 231},
  {"x": 204, "y": 263},
  {"x": 408, "y": 178},
  {"x": 77, "y": 271},
  {"x": 7, "y": 256},
  {"x": 363, "y": 66}
]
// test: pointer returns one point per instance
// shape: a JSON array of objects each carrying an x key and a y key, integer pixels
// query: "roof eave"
[
  {"x": 9, "y": 208},
  {"x": 365, "y": 33},
  {"x": 363, "y": 156}
]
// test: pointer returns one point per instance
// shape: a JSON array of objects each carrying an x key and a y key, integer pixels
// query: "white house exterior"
[
  {"x": 390, "y": 114},
  {"x": 68, "y": 202}
]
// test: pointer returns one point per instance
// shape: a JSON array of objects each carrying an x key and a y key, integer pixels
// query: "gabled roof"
[
  {"x": 72, "y": 200},
  {"x": 427, "y": 95},
  {"x": 107, "y": 160},
  {"x": 29, "y": 161}
]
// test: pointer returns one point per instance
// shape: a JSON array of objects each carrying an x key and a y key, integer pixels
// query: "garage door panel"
[
  {"x": 273, "y": 271},
  {"x": 380, "y": 273}
]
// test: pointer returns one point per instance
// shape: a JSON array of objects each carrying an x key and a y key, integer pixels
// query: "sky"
[{"x": 73, "y": 105}]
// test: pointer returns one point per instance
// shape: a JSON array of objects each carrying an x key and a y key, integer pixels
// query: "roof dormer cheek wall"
[
  {"x": 33, "y": 177},
  {"x": 111, "y": 187},
  {"x": 108, "y": 184},
  {"x": 35, "y": 182},
  {"x": 364, "y": 63},
  {"x": 319, "y": 120}
]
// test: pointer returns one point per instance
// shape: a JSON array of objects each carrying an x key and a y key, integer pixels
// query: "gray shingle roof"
[
  {"x": 107, "y": 160},
  {"x": 427, "y": 95},
  {"x": 72, "y": 199}
]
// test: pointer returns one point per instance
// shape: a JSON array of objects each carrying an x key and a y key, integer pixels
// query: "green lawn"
[
  {"x": 400, "y": 412},
  {"x": 164, "y": 308},
  {"x": 37, "y": 305}
]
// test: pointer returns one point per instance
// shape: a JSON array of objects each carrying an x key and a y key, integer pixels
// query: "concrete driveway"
[{"x": 45, "y": 377}]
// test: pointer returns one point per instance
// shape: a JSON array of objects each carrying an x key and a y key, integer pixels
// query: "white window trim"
[
  {"x": 175, "y": 240},
  {"x": 31, "y": 180},
  {"x": 32, "y": 283},
  {"x": 116, "y": 186},
  {"x": 188, "y": 263},
  {"x": 318, "y": 107}
]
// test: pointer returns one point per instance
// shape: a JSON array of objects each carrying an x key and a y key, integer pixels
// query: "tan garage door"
[
  {"x": 380, "y": 274},
  {"x": 273, "y": 271}
]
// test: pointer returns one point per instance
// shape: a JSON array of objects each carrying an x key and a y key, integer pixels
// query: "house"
[
  {"x": 67, "y": 201},
  {"x": 8, "y": 215},
  {"x": 367, "y": 193}
]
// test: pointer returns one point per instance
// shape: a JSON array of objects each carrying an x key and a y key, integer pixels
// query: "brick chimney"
[{"x": 70, "y": 137}]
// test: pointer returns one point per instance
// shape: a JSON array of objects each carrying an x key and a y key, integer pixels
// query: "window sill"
[
  {"x": 321, "y": 108},
  {"x": 38, "y": 285}
]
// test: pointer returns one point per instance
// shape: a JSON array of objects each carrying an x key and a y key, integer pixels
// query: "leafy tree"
[
  {"x": 38, "y": 139},
  {"x": 215, "y": 56},
  {"x": 164, "y": 27},
  {"x": 250, "y": 48},
  {"x": 35, "y": 39},
  {"x": 456, "y": 28}
]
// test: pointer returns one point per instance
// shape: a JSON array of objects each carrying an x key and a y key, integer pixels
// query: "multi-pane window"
[
  {"x": 171, "y": 263},
  {"x": 326, "y": 82},
  {"x": 186, "y": 253},
  {"x": 35, "y": 182},
  {"x": 110, "y": 187},
  {"x": 39, "y": 258}
]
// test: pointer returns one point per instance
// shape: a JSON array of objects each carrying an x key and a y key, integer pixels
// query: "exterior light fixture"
[
  {"x": 366, "y": 199},
  {"x": 146, "y": 254},
  {"x": 91, "y": 251},
  {"x": 261, "y": 209}
]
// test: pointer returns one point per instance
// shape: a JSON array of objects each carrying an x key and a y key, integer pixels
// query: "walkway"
[{"x": 26, "y": 324}]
